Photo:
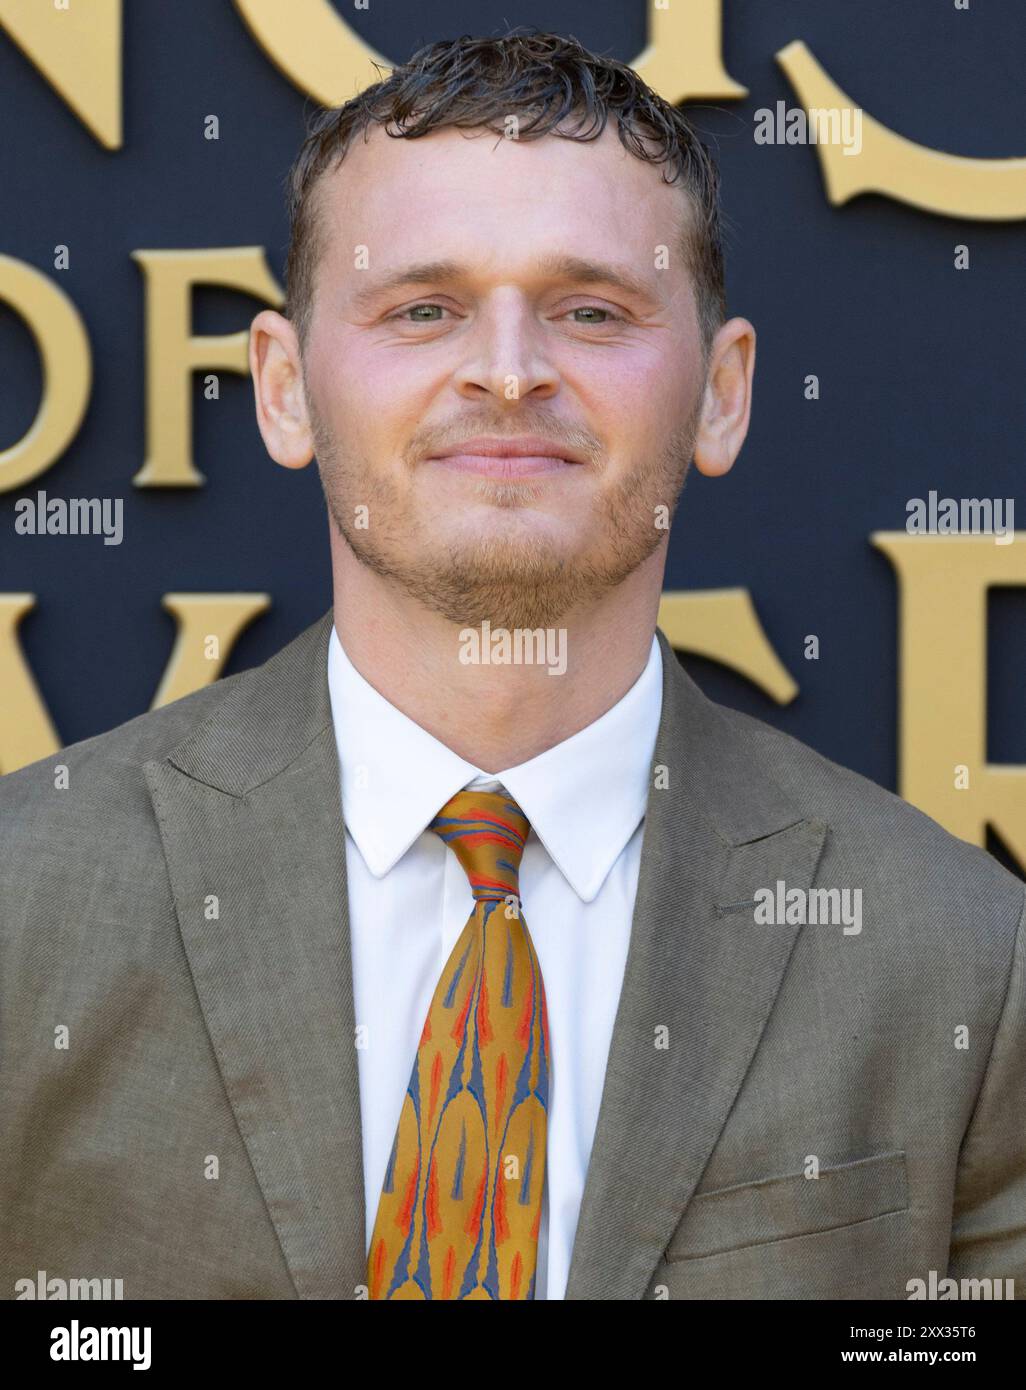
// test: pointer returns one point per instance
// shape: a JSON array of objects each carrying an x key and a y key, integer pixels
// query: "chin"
[
  {"x": 523, "y": 529},
  {"x": 510, "y": 557}
]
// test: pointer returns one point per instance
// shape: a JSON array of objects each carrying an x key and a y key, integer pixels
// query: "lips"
[{"x": 507, "y": 458}]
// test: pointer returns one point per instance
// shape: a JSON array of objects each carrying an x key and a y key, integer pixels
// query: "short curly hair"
[{"x": 479, "y": 83}]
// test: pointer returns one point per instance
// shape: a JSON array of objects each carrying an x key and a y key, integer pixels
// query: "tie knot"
[{"x": 487, "y": 832}]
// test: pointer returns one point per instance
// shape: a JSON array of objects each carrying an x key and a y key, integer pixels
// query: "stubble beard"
[{"x": 515, "y": 580}]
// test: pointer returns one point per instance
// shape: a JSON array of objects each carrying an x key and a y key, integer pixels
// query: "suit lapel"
[
  {"x": 250, "y": 816},
  {"x": 699, "y": 983}
]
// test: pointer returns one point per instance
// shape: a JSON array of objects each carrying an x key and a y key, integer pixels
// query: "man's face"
[{"x": 516, "y": 338}]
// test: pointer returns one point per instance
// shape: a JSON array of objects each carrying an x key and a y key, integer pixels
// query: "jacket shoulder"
[{"x": 879, "y": 836}]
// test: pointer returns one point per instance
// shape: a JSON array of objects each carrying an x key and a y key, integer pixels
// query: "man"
[{"x": 465, "y": 949}]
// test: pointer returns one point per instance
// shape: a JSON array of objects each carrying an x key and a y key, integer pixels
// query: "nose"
[{"x": 506, "y": 354}]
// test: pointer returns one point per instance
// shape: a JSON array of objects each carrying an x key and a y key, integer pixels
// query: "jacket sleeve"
[{"x": 988, "y": 1235}]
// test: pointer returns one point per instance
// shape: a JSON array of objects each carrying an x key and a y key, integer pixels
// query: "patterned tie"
[{"x": 461, "y": 1202}]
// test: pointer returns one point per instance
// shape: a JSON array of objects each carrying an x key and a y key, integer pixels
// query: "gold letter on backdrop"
[
  {"x": 208, "y": 628},
  {"x": 67, "y": 362},
  {"x": 684, "y": 57},
  {"x": 173, "y": 353},
  {"x": 950, "y": 184},
  {"x": 201, "y": 617},
  {"x": 313, "y": 46},
  {"x": 26, "y": 729},
  {"x": 78, "y": 50},
  {"x": 942, "y": 725},
  {"x": 316, "y": 49},
  {"x": 722, "y": 624}
]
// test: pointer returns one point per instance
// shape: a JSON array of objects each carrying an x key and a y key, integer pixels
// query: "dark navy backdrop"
[{"x": 921, "y": 367}]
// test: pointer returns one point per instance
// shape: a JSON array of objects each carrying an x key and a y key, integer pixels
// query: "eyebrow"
[{"x": 577, "y": 269}]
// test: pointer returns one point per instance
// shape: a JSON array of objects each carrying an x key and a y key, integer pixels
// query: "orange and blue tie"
[{"x": 461, "y": 1202}]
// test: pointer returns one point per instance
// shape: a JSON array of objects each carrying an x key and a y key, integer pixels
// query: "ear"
[
  {"x": 728, "y": 398},
  {"x": 277, "y": 370}
]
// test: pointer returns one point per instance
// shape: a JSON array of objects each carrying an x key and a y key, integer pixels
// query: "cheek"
[
  {"x": 349, "y": 381},
  {"x": 377, "y": 399},
  {"x": 631, "y": 389},
  {"x": 658, "y": 387},
  {"x": 355, "y": 418}
]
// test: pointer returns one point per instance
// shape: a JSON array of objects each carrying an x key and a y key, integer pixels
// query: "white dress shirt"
[{"x": 409, "y": 900}]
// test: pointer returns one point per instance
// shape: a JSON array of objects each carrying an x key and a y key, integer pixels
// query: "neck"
[{"x": 492, "y": 714}]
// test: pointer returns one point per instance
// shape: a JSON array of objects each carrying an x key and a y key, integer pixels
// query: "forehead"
[{"x": 485, "y": 197}]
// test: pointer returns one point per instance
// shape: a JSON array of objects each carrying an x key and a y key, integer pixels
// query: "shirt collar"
[{"x": 584, "y": 797}]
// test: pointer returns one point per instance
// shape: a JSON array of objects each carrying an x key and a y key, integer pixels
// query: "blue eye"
[
  {"x": 597, "y": 309},
  {"x": 413, "y": 307}
]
